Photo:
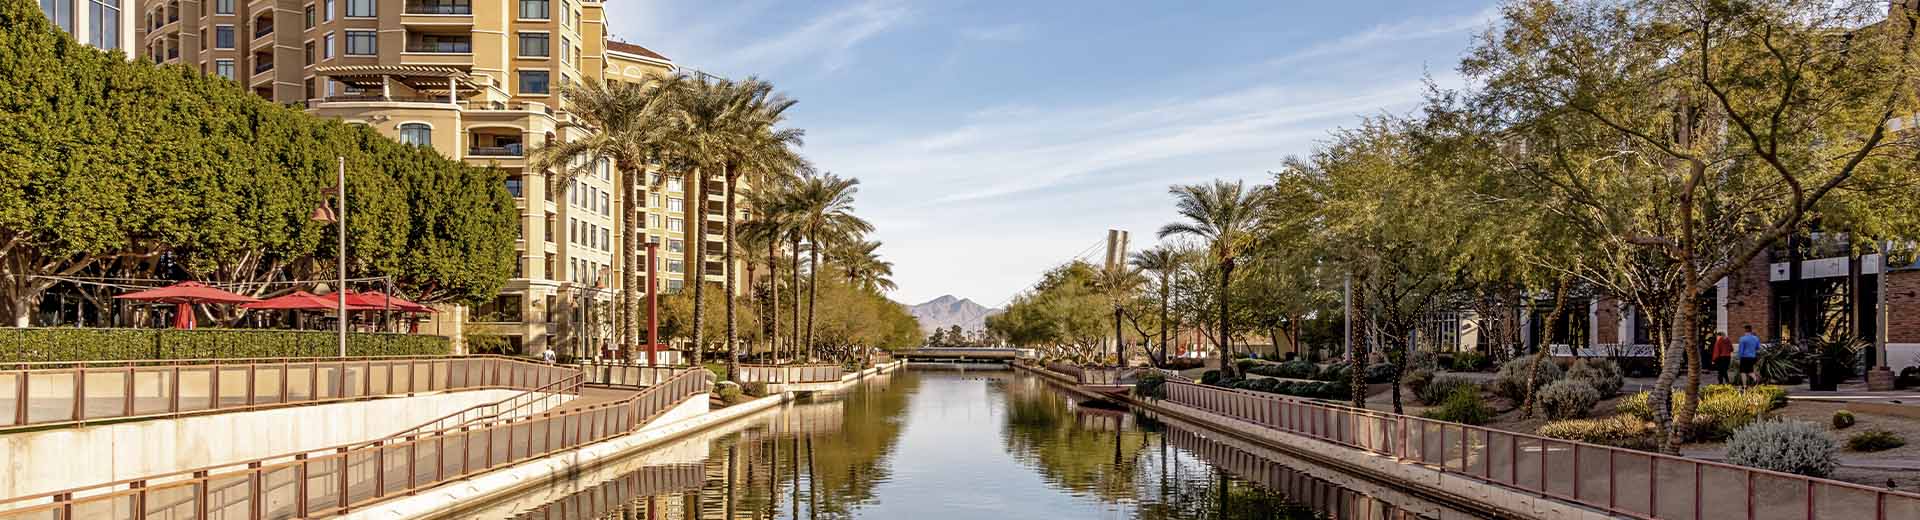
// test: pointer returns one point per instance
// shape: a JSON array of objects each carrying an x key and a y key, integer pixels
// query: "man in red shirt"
[{"x": 1722, "y": 354}]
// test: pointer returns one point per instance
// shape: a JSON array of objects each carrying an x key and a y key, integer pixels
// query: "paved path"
[
  {"x": 1851, "y": 461},
  {"x": 590, "y": 396}
]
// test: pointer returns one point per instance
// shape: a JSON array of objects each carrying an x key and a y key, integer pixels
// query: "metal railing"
[
  {"x": 332, "y": 481},
  {"x": 54, "y": 393},
  {"x": 512, "y": 150},
  {"x": 617, "y": 494},
  {"x": 1087, "y": 375},
  {"x": 439, "y": 8},
  {"x": 1619, "y": 481},
  {"x": 787, "y": 374},
  {"x": 529, "y": 402},
  {"x": 620, "y": 374}
]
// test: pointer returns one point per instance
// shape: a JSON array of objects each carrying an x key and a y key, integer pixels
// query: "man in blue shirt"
[{"x": 1749, "y": 354}]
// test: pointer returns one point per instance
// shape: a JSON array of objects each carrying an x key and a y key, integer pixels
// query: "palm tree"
[
  {"x": 860, "y": 261},
  {"x": 771, "y": 223},
  {"x": 763, "y": 151},
  {"x": 625, "y": 127},
  {"x": 1225, "y": 215},
  {"x": 1117, "y": 283},
  {"x": 707, "y": 117},
  {"x": 1164, "y": 262},
  {"x": 825, "y": 205}
]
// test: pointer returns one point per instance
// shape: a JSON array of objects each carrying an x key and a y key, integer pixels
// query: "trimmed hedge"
[{"x": 107, "y": 344}]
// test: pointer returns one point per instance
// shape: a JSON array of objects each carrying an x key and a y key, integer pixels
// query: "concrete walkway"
[
  {"x": 590, "y": 396},
  {"x": 1850, "y": 461}
]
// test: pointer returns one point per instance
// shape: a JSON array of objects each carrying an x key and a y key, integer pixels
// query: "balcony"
[
  {"x": 444, "y": 8},
  {"x": 496, "y": 143},
  {"x": 260, "y": 30},
  {"x": 439, "y": 44}
]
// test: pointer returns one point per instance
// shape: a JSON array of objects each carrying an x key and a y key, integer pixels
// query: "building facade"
[
  {"x": 478, "y": 81},
  {"x": 105, "y": 24}
]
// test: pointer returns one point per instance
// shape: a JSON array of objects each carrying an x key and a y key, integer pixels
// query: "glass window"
[
  {"x": 533, "y": 82},
  {"x": 104, "y": 24},
  {"x": 513, "y": 186},
  {"x": 675, "y": 245},
  {"x": 362, "y": 43},
  {"x": 310, "y": 19},
  {"x": 550, "y": 223},
  {"x": 533, "y": 45},
  {"x": 417, "y": 134},
  {"x": 326, "y": 14},
  {"x": 61, "y": 11},
  {"x": 223, "y": 7},
  {"x": 326, "y": 51},
  {"x": 309, "y": 54},
  {"x": 606, "y": 204},
  {"x": 673, "y": 184},
  {"x": 533, "y": 9},
  {"x": 361, "y": 9},
  {"x": 655, "y": 203},
  {"x": 223, "y": 68},
  {"x": 223, "y": 37},
  {"x": 676, "y": 205},
  {"x": 675, "y": 266},
  {"x": 564, "y": 45},
  {"x": 674, "y": 224},
  {"x": 653, "y": 221}
]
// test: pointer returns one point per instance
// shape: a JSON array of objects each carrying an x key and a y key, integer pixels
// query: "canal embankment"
[
  {"x": 691, "y": 416},
  {"x": 1437, "y": 486}
]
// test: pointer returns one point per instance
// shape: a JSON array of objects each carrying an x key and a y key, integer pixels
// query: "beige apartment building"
[{"x": 479, "y": 81}]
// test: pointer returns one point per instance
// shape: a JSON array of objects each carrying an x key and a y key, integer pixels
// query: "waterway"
[{"x": 957, "y": 442}]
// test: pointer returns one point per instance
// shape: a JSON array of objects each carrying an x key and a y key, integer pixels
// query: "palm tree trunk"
[
  {"x": 627, "y": 262},
  {"x": 1226, "y": 339},
  {"x": 794, "y": 338},
  {"x": 726, "y": 245},
  {"x": 1166, "y": 294},
  {"x": 696, "y": 259},
  {"x": 1118, "y": 342},
  {"x": 813, "y": 286},
  {"x": 773, "y": 297}
]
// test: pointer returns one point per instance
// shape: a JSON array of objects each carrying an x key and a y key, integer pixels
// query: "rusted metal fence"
[
  {"x": 1619, "y": 481},
  {"x": 332, "y": 481},
  {"x": 788, "y": 374},
  {"x": 45, "y": 394}
]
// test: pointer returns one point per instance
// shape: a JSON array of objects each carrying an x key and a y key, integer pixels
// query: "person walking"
[
  {"x": 1722, "y": 354},
  {"x": 548, "y": 356},
  {"x": 1749, "y": 353}
]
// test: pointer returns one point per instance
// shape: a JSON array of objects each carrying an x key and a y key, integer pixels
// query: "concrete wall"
[{"x": 51, "y": 460}]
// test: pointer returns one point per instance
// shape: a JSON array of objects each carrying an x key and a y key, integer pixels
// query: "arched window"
[{"x": 417, "y": 134}]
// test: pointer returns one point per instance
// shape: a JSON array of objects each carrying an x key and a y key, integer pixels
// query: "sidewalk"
[{"x": 1845, "y": 460}]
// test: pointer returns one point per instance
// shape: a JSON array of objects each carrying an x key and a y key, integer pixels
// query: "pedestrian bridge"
[{"x": 991, "y": 355}]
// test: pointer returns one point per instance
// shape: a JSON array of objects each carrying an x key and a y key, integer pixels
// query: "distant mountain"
[{"x": 948, "y": 310}]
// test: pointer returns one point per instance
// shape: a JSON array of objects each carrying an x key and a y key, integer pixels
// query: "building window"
[
  {"x": 533, "y": 82},
  {"x": 326, "y": 13},
  {"x": 223, "y": 68},
  {"x": 503, "y": 308},
  {"x": 673, "y": 184},
  {"x": 309, "y": 56},
  {"x": 513, "y": 186},
  {"x": 361, "y": 9},
  {"x": 675, "y": 245},
  {"x": 326, "y": 51},
  {"x": 564, "y": 45},
  {"x": 362, "y": 43},
  {"x": 223, "y": 37},
  {"x": 223, "y": 7},
  {"x": 61, "y": 11},
  {"x": 675, "y": 266},
  {"x": 551, "y": 220},
  {"x": 655, "y": 201},
  {"x": 674, "y": 224},
  {"x": 533, "y": 45},
  {"x": 417, "y": 134},
  {"x": 533, "y": 9},
  {"x": 606, "y": 204},
  {"x": 676, "y": 205},
  {"x": 310, "y": 20},
  {"x": 103, "y": 23},
  {"x": 653, "y": 221}
]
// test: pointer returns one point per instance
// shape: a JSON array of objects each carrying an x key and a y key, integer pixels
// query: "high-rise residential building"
[
  {"x": 107, "y": 24},
  {"x": 479, "y": 81}
]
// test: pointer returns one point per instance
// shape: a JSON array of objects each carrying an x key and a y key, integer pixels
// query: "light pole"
[
  {"x": 653, "y": 301},
  {"x": 325, "y": 214},
  {"x": 1880, "y": 377}
]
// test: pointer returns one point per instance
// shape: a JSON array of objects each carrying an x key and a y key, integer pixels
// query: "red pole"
[{"x": 653, "y": 303}]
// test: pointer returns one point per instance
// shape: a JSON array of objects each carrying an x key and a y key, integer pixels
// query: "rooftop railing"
[
  {"x": 333, "y": 481},
  {"x": 1623, "y": 482}
]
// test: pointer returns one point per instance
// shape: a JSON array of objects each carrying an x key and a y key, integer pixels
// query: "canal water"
[{"x": 957, "y": 442}]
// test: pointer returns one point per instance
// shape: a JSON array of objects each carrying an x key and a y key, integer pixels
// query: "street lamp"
[{"x": 326, "y": 214}]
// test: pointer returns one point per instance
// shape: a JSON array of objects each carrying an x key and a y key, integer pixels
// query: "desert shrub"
[
  {"x": 1798, "y": 447},
  {"x": 1620, "y": 430},
  {"x": 1333, "y": 372},
  {"x": 1262, "y": 384},
  {"x": 1874, "y": 440},
  {"x": 1417, "y": 379},
  {"x": 1381, "y": 373},
  {"x": 1295, "y": 369},
  {"x": 1246, "y": 364},
  {"x": 1512, "y": 381},
  {"x": 1444, "y": 386},
  {"x": 1210, "y": 377},
  {"x": 1471, "y": 361},
  {"x": 1602, "y": 374},
  {"x": 1422, "y": 359},
  {"x": 1152, "y": 386},
  {"x": 1566, "y": 399},
  {"x": 731, "y": 393},
  {"x": 1842, "y": 419},
  {"x": 1462, "y": 406}
]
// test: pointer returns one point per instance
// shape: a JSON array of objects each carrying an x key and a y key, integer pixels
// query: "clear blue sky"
[{"x": 997, "y": 139}]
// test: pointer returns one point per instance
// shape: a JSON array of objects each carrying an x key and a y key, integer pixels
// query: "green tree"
[
  {"x": 1165, "y": 262},
  {"x": 824, "y": 204},
  {"x": 1225, "y": 215}
]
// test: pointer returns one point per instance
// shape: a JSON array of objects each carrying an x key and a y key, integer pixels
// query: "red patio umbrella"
[
  {"x": 183, "y": 295},
  {"x": 302, "y": 300},
  {"x": 382, "y": 301}
]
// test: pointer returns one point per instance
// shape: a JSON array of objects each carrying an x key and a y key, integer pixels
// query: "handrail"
[
  {"x": 496, "y": 442},
  {"x": 61, "y": 393},
  {"x": 37, "y": 365},
  {"x": 569, "y": 386},
  {"x": 789, "y": 374},
  {"x": 1638, "y": 484}
]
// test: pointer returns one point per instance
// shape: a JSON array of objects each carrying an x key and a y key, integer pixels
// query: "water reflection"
[{"x": 940, "y": 444}]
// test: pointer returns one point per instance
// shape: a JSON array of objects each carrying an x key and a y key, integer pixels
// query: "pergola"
[{"x": 434, "y": 82}]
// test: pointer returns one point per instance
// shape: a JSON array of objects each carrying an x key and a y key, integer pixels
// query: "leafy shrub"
[
  {"x": 1842, "y": 420},
  {"x": 1210, "y": 377},
  {"x": 1512, "y": 381},
  {"x": 1602, "y": 374},
  {"x": 1422, "y": 360},
  {"x": 1462, "y": 406},
  {"x": 1262, "y": 384},
  {"x": 1909, "y": 378},
  {"x": 1416, "y": 380},
  {"x": 730, "y": 393},
  {"x": 1874, "y": 440},
  {"x": 1566, "y": 399},
  {"x": 1152, "y": 386},
  {"x": 1444, "y": 386},
  {"x": 73, "y": 344},
  {"x": 1471, "y": 361},
  {"x": 1798, "y": 447},
  {"x": 1182, "y": 364},
  {"x": 1378, "y": 373},
  {"x": 1622, "y": 430},
  {"x": 1334, "y": 372},
  {"x": 1297, "y": 369}
]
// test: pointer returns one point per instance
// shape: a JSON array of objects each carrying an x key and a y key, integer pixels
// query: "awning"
[{"x": 417, "y": 77}]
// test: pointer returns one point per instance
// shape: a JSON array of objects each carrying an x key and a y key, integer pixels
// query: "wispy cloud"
[
  {"x": 825, "y": 42},
  {"x": 996, "y": 33},
  {"x": 1390, "y": 33}
]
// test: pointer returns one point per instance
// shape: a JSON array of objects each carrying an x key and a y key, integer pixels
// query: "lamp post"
[
  {"x": 653, "y": 302},
  {"x": 325, "y": 214},
  {"x": 1880, "y": 378}
]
